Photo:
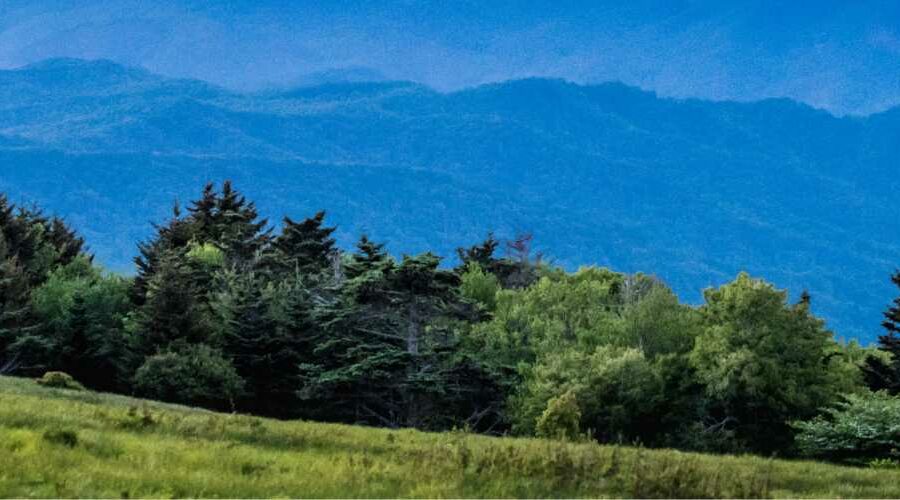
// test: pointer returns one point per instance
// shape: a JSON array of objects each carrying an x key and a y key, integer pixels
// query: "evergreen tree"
[
  {"x": 18, "y": 344},
  {"x": 482, "y": 254},
  {"x": 389, "y": 355},
  {"x": 76, "y": 345},
  {"x": 305, "y": 246},
  {"x": 226, "y": 221},
  {"x": 514, "y": 271},
  {"x": 885, "y": 374},
  {"x": 174, "y": 235},
  {"x": 31, "y": 246},
  {"x": 235, "y": 226},
  {"x": 174, "y": 308},
  {"x": 267, "y": 332},
  {"x": 369, "y": 256}
]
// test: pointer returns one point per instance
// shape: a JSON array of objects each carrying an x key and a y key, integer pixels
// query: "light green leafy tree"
[
  {"x": 618, "y": 391},
  {"x": 865, "y": 426},
  {"x": 764, "y": 362}
]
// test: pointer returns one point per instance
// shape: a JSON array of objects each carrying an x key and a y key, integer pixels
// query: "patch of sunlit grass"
[{"x": 59, "y": 443}]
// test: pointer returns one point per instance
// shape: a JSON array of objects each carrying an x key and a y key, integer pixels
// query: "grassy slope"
[{"x": 131, "y": 447}]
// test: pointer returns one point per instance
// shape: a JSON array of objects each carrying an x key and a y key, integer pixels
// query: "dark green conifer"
[
  {"x": 880, "y": 374},
  {"x": 174, "y": 308},
  {"x": 267, "y": 335},
  {"x": 306, "y": 246}
]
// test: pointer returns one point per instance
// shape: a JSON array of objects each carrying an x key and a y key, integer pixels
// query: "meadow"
[{"x": 70, "y": 443}]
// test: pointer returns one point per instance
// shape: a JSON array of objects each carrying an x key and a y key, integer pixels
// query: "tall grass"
[{"x": 61, "y": 443}]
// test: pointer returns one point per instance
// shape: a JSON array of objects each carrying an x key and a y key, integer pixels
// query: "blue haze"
[
  {"x": 693, "y": 191},
  {"x": 832, "y": 54}
]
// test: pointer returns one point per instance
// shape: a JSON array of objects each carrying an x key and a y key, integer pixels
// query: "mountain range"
[{"x": 692, "y": 191}]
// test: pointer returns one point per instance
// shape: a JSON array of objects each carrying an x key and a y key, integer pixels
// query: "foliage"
[
  {"x": 617, "y": 389},
  {"x": 267, "y": 330},
  {"x": 561, "y": 310},
  {"x": 191, "y": 374},
  {"x": 561, "y": 419},
  {"x": 479, "y": 286},
  {"x": 227, "y": 313},
  {"x": 884, "y": 374},
  {"x": 864, "y": 426},
  {"x": 81, "y": 312},
  {"x": 59, "y": 380},
  {"x": 761, "y": 361}
]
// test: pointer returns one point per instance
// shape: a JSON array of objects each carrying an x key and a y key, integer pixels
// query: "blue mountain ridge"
[{"x": 692, "y": 191}]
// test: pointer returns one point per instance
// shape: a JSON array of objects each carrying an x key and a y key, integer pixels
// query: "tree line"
[{"x": 226, "y": 313}]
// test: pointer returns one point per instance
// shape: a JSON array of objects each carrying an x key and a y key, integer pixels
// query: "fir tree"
[
  {"x": 267, "y": 333},
  {"x": 305, "y": 246},
  {"x": 369, "y": 256},
  {"x": 388, "y": 358},
  {"x": 515, "y": 271},
  {"x": 173, "y": 309},
  {"x": 18, "y": 342},
  {"x": 236, "y": 226},
  {"x": 880, "y": 374}
]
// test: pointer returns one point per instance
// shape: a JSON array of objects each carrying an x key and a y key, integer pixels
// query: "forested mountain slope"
[{"x": 691, "y": 191}]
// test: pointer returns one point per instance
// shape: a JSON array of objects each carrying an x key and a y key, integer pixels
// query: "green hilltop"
[{"x": 71, "y": 443}]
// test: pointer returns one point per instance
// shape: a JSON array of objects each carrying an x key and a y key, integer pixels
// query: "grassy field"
[{"x": 61, "y": 443}]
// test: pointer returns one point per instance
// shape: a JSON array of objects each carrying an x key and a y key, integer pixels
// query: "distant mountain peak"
[
  {"x": 347, "y": 89},
  {"x": 69, "y": 64}
]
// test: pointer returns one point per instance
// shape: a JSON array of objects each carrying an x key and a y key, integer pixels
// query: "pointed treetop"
[{"x": 306, "y": 245}]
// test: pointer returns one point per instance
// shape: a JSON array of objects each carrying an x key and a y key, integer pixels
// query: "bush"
[
  {"x": 561, "y": 419},
  {"x": 865, "y": 426},
  {"x": 60, "y": 380},
  {"x": 194, "y": 375}
]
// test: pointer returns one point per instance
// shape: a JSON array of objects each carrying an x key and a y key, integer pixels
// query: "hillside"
[
  {"x": 691, "y": 191},
  {"x": 62, "y": 443}
]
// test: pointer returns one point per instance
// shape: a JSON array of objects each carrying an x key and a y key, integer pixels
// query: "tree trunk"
[{"x": 412, "y": 331}]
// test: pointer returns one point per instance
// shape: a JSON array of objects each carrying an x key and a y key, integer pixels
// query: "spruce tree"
[
  {"x": 880, "y": 374},
  {"x": 19, "y": 347},
  {"x": 389, "y": 355},
  {"x": 176, "y": 234},
  {"x": 482, "y": 253},
  {"x": 268, "y": 329},
  {"x": 514, "y": 271},
  {"x": 31, "y": 246},
  {"x": 369, "y": 256},
  {"x": 225, "y": 220},
  {"x": 305, "y": 246},
  {"x": 76, "y": 346},
  {"x": 174, "y": 308},
  {"x": 236, "y": 226}
]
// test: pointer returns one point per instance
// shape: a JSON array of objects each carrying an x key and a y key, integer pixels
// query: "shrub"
[
  {"x": 561, "y": 419},
  {"x": 60, "y": 380},
  {"x": 865, "y": 426},
  {"x": 195, "y": 375}
]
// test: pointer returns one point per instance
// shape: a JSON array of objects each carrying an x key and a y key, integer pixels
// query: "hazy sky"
[{"x": 843, "y": 56}]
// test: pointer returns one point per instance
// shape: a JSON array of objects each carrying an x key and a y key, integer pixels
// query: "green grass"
[{"x": 64, "y": 443}]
